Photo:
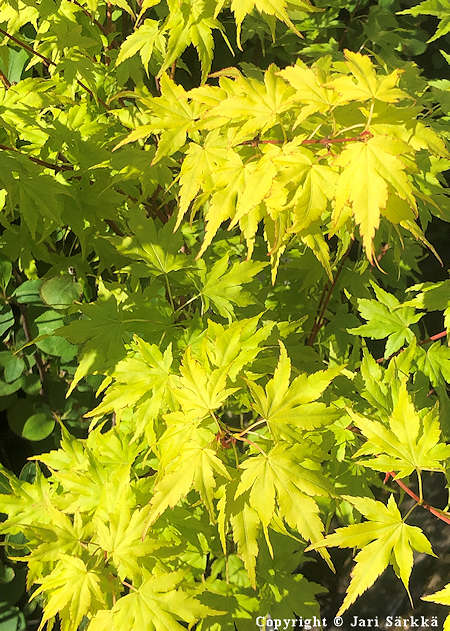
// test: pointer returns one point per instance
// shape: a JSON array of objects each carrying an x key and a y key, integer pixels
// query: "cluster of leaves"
[{"x": 243, "y": 410}]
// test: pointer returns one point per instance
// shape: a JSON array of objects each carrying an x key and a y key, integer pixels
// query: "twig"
[
  {"x": 362, "y": 137},
  {"x": 91, "y": 17},
  {"x": 435, "y": 511},
  {"x": 27, "y": 331},
  {"x": 4, "y": 79},
  {"x": 115, "y": 227},
  {"x": 432, "y": 338},
  {"x": 44, "y": 163},
  {"x": 324, "y": 300},
  {"x": 48, "y": 62}
]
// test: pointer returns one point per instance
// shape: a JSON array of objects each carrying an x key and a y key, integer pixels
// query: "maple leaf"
[
  {"x": 435, "y": 364},
  {"x": 72, "y": 591},
  {"x": 241, "y": 8},
  {"x": 279, "y": 475},
  {"x": 156, "y": 605},
  {"x": 441, "y": 597},
  {"x": 384, "y": 539},
  {"x": 191, "y": 23},
  {"x": 368, "y": 85},
  {"x": 156, "y": 245},
  {"x": 198, "y": 389},
  {"x": 283, "y": 403},
  {"x": 223, "y": 288},
  {"x": 236, "y": 345},
  {"x": 386, "y": 317},
  {"x": 253, "y": 106},
  {"x": 186, "y": 461},
  {"x": 103, "y": 333},
  {"x": 438, "y": 8},
  {"x": 144, "y": 40},
  {"x": 171, "y": 116},
  {"x": 433, "y": 297},
  {"x": 368, "y": 168},
  {"x": 410, "y": 444},
  {"x": 138, "y": 380},
  {"x": 245, "y": 525},
  {"x": 310, "y": 90}
]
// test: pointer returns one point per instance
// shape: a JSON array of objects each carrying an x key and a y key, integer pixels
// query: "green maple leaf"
[
  {"x": 144, "y": 40},
  {"x": 438, "y": 8},
  {"x": 186, "y": 461},
  {"x": 279, "y": 476},
  {"x": 222, "y": 289},
  {"x": 410, "y": 444},
  {"x": 171, "y": 116},
  {"x": 108, "y": 326},
  {"x": 241, "y": 8},
  {"x": 386, "y": 317},
  {"x": 433, "y": 297},
  {"x": 368, "y": 85},
  {"x": 384, "y": 539},
  {"x": 158, "y": 604},
  {"x": 141, "y": 379},
  {"x": 156, "y": 245},
  {"x": 200, "y": 389},
  {"x": 245, "y": 525},
  {"x": 435, "y": 364},
  {"x": 442, "y": 597},
  {"x": 236, "y": 345},
  {"x": 292, "y": 403},
  {"x": 72, "y": 591},
  {"x": 368, "y": 170}
]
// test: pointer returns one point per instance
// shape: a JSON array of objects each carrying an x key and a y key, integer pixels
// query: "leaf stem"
[
  {"x": 250, "y": 427},
  {"x": 419, "y": 481},
  {"x": 169, "y": 293},
  {"x": 250, "y": 442},
  {"x": 434, "y": 511},
  {"x": 44, "y": 163}
]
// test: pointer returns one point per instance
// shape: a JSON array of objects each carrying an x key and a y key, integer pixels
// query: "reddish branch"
[
  {"x": 44, "y": 163},
  {"x": 48, "y": 62},
  {"x": 4, "y": 79},
  {"x": 363, "y": 136},
  {"x": 435, "y": 511},
  {"x": 432, "y": 338}
]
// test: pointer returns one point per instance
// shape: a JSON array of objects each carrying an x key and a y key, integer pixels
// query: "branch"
[
  {"x": 435, "y": 511},
  {"x": 26, "y": 329},
  {"x": 362, "y": 137},
  {"x": 432, "y": 338},
  {"x": 324, "y": 300},
  {"x": 4, "y": 79},
  {"x": 48, "y": 62},
  {"x": 44, "y": 163},
  {"x": 91, "y": 17}
]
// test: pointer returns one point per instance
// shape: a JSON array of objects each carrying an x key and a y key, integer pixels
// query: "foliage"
[{"x": 226, "y": 251}]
